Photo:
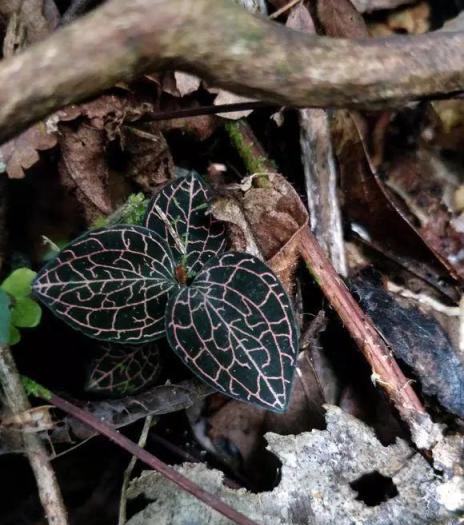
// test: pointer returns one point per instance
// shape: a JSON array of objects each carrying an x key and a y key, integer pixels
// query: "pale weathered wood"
[{"x": 229, "y": 47}]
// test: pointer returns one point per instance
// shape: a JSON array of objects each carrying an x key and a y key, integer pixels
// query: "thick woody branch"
[{"x": 229, "y": 47}]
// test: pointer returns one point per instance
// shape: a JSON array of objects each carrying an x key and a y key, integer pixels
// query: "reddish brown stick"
[
  {"x": 387, "y": 372},
  {"x": 143, "y": 455}
]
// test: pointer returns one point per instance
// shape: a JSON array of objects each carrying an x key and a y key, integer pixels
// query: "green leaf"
[
  {"x": 14, "y": 336},
  {"x": 18, "y": 283},
  {"x": 234, "y": 327},
  {"x": 5, "y": 317},
  {"x": 33, "y": 388},
  {"x": 26, "y": 313},
  {"x": 111, "y": 284}
]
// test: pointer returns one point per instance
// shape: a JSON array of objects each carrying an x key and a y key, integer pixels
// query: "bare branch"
[{"x": 229, "y": 47}]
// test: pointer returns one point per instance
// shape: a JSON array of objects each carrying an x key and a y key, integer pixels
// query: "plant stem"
[
  {"x": 248, "y": 147},
  {"x": 143, "y": 455},
  {"x": 17, "y": 402},
  {"x": 128, "y": 472}
]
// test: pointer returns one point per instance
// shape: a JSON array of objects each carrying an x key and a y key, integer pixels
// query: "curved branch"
[{"x": 229, "y": 47}]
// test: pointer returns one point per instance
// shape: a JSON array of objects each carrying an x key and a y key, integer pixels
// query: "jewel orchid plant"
[{"x": 225, "y": 314}]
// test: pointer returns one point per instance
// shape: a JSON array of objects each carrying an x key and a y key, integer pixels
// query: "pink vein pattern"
[
  {"x": 234, "y": 327},
  {"x": 123, "y": 369},
  {"x": 111, "y": 284},
  {"x": 184, "y": 205}
]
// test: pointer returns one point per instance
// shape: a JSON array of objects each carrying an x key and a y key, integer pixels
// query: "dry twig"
[{"x": 141, "y": 454}]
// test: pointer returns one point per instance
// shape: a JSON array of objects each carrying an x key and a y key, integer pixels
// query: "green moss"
[
  {"x": 131, "y": 212},
  {"x": 255, "y": 164},
  {"x": 34, "y": 389},
  {"x": 252, "y": 163}
]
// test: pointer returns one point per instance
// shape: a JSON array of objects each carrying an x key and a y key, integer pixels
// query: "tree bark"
[{"x": 229, "y": 47}]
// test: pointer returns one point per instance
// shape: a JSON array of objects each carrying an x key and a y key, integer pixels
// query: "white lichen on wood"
[{"x": 317, "y": 470}]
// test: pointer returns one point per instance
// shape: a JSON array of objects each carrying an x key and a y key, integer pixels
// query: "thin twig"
[
  {"x": 384, "y": 367},
  {"x": 128, "y": 472},
  {"x": 143, "y": 455},
  {"x": 17, "y": 402},
  {"x": 202, "y": 110},
  {"x": 284, "y": 8}
]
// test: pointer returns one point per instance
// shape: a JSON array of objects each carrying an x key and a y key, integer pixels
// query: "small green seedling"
[{"x": 17, "y": 308}]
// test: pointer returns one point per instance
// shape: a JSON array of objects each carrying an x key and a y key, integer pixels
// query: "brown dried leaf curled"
[
  {"x": 21, "y": 153},
  {"x": 83, "y": 167},
  {"x": 270, "y": 216}
]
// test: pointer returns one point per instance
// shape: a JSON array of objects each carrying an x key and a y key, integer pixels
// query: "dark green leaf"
[
  {"x": 234, "y": 327},
  {"x": 179, "y": 212},
  {"x": 111, "y": 284},
  {"x": 124, "y": 369}
]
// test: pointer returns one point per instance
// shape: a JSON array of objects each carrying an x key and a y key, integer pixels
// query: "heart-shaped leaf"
[
  {"x": 123, "y": 369},
  {"x": 179, "y": 212},
  {"x": 111, "y": 284},
  {"x": 234, "y": 327}
]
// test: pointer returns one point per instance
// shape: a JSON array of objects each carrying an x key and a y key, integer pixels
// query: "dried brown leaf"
[
  {"x": 149, "y": 163},
  {"x": 83, "y": 168},
  {"x": 385, "y": 225},
  {"x": 270, "y": 216},
  {"x": 21, "y": 153},
  {"x": 424, "y": 184},
  {"x": 340, "y": 18}
]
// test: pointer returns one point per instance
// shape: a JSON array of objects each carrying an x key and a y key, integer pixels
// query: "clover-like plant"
[
  {"x": 123, "y": 369},
  {"x": 225, "y": 314},
  {"x": 17, "y": 308}
]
